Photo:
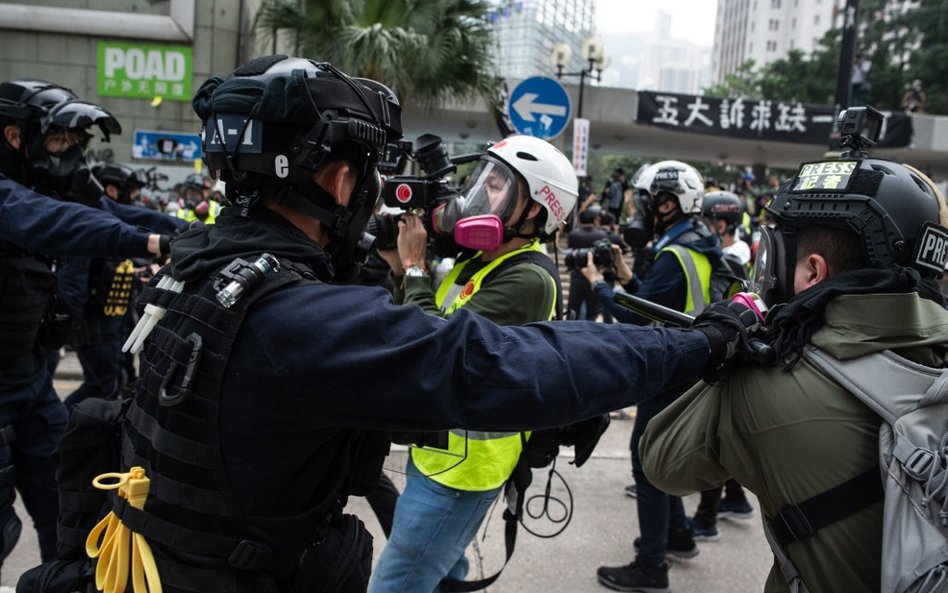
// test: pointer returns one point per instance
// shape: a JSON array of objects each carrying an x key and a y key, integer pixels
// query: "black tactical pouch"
[
  {"x": 90, "y": 446},
  {"x": 341, "y": 563},
  {"x": 59, "y": 576}
]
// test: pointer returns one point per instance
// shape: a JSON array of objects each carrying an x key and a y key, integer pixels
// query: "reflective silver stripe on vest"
[
  {"x": 451, "y": 295},
  {"x": 694, "y": 281},
  {"x": 475, "y": 435}
]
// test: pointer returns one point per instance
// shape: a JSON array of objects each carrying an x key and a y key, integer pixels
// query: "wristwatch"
[{"x": 416, "y": 272}]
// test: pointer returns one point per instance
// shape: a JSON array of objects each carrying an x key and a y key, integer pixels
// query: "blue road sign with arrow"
[
  {"x": 166, "y": 146},
  {"x": 539, "y": 106}
]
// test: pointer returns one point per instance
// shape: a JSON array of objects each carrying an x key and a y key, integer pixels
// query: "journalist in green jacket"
[{"x": 784, "y": 429}]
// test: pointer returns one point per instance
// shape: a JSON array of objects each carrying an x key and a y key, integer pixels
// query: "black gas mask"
[
  {"x": 56, "y": 154},
  {"x": 65, "y": 175},
  {"x": 640, "y": 229}
]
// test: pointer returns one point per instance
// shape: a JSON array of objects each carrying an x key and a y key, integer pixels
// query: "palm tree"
[{"x": 426, "y": 50}]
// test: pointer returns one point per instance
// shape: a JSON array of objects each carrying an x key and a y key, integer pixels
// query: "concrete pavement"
[{"x": 600, "y": 533}]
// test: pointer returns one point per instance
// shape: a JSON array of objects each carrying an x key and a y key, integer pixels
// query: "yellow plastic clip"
[{"x": 117, "y": 548}]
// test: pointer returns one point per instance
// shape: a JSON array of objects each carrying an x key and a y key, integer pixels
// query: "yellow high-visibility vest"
[{"x": 474, "y": 461}]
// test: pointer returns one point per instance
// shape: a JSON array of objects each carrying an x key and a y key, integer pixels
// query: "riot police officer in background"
[
  {"x": 43, "y": 131},
  {"x": 260, "y": 375},
  {"x": 98, "y": 291},
  {"x": 120, "y": 182}
]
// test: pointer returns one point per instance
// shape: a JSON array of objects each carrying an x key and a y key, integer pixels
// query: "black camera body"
[
  {"x": 859, "y": 127},
  {"x": 410, "y": 192},
  {"x": 601, "y": 251}
]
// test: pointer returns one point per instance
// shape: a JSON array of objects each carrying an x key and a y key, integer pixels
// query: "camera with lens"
[
  {"x": 601, "y": 251},
  {"x": 410, "y": 192}
]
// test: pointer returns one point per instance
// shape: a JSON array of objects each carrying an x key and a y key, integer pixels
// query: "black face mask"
[
  {"x": 640, "y": 229},
  {"x": 65, "y": 175}
]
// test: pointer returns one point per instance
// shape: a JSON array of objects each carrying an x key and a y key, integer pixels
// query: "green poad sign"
[{"x": 139, "y": 71}]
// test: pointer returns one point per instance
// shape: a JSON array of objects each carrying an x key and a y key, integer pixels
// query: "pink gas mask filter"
[{"x": 483, "y": 233}]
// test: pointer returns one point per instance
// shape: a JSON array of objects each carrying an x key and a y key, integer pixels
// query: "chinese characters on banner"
[
  {"x": 580, "y": 146},
  {"x": 764, "y": 119}
]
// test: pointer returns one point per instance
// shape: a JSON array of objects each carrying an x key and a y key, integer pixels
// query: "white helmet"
[
  {"x": 550, "y": 176},
  {"x": 676, "y": 178}
]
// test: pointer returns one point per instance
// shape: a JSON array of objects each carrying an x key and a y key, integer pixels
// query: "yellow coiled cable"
[{"x": 117, "y": 547}]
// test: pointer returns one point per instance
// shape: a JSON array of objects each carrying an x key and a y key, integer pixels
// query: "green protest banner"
[{"x": 142, "y": 71}]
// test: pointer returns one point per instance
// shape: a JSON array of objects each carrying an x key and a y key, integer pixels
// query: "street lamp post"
[{"x": 594, "y": 54}]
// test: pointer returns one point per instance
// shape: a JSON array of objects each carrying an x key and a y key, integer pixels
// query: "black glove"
[
  {"x": 727, "y": 325},
  {"x": 164, "y": 245}
]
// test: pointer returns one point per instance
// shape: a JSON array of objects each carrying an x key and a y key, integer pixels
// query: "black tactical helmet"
[
  {"x": 895, "y": 209},
  {"x": 123, "y": 177},
  {"x": 27, "y": 98},
  {"x": 22, "y": 103},
  {"x": 723, "y": 205},
  {"x": 197, "y": 181},
  {"x": 118, "y": 174},
  {"x": 66, "y": 174},
  {"x": 276, "y": 120}
]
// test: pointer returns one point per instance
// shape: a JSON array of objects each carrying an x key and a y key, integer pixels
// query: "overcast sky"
[{"x": 691, "y": 19}]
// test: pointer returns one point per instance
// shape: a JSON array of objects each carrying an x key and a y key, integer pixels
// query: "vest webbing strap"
[{"x": 797, "y": 522}]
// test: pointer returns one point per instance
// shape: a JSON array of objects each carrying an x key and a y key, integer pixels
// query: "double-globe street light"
[{"x": 594, "y": 54}]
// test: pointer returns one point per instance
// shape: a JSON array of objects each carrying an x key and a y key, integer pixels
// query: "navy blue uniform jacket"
[{"x": 315, "y": 359}]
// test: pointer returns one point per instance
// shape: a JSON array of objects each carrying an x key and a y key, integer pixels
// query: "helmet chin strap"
[{"x": 511, "y": 232}]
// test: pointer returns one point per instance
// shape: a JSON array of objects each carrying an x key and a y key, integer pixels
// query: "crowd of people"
[{"x": 279, "y": 354}]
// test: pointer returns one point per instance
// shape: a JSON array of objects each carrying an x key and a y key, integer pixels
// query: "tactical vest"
[
  {"x": 201, "y": 538},
  {"x": 697, "y": 268},
  {"x": 26, "y": 287},
  {"x": 477, "y": 461}
]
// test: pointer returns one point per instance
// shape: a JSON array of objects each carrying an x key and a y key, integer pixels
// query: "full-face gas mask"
[
  {"x": 56, "y": 155},
  {"x": 476, "y": 216},
  {"x": 768, "y": 278}
]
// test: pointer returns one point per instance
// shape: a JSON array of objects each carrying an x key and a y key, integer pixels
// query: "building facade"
[
  {"x": 527, "y": 30},
  {"x": 765, "y": 30}
]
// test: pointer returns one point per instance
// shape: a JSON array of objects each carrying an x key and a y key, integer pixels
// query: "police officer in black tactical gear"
[
  {"x": 262, "y": 382},
  {"x": 43, "y": 130}
]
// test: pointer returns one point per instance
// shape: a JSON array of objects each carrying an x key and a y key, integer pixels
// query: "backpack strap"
[
  {"x": 891, "y": 386},
  {"x": 797, "y": 522},
  {"x": 514, "y": 492}
]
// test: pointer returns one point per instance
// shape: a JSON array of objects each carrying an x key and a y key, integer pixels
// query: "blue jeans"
[
  {"x": 433, "y": 526},
  {"x": 658, "y": 511}
]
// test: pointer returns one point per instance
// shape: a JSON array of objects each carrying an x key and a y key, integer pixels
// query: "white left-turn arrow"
[{"x": 525, "y": 107}]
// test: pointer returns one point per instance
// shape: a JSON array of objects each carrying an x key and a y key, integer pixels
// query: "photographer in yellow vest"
[{"x": 521, "y": 191}]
